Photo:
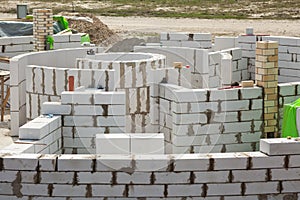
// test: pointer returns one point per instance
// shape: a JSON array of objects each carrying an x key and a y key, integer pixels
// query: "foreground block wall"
[
  {"x": 18, "y": 64},
  {"x": 227, "y": 176},
  {"x": 210, "y": 120}
]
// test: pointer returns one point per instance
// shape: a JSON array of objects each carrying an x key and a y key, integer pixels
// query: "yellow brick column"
[
  {"x": 266, "y": 76},
  {"x": 42, "y": 26}
]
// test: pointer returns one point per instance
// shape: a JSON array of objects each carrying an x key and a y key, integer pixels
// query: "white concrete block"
[
  {"x": 77, "y": 97},
  {"x": 112, "y": 143},
  {"x": 47, "y": 162},
  {"x": 75, "y": 162},
  {"x": 111, "y": 121},
  {"x": 290, "y": 186},
  {"x": 220, "y": 189},
  {"x": 108, "y": 190},
  {"x": 184, "y": 190},
  {"x": 191, "y": 118},
  {"x": 228, "y": 94},
  {"x": 172, "y": 178},
  {"x": 135, "y": 178},
  {"x": 147, "y": 143},
  {"x": 121, "y": 163},
  {"x": 109, "y": 98},
  {"x": 226, "y": 66},
  {"x": 279, "y": 146},
  {"x": 201, "y": 61},
  {"x": 151, "y": 163},
  {"x": 20, "y": 161},
  {"x": 249, "y": 175},
  {"x": 213, "y": 177},
  {"x": 146, "y": 191},
  {"x": 262, "y": 188},
  {"x": 178, "y": 36},
  {"x": 70, "y": 190},
  {"x": 34, "y": 131},
  {"x": 223, "y": 161},
  {"x": 191, "y": 162},
  {"x": 188, "y": 95},
  {"x": 55, "y": 108},
  {"x": 235, "y": 105},
  {"x": 54, "y": 122}
]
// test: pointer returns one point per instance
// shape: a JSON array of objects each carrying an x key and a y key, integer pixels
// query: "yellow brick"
[
  {"x": 262, "y": 45},
  {"x": 272, "y": 71},
  {"x": 270, "y": 97},
  {"x": 268, "y": 78},
  {"x": 272, "y": 122},
  {"x": 259, "y": 52},
  {"x": 269, "y": 129},
  {"x": 247, "y": 83},
  {"x": 270, "y": 116},
  {"x": 261, "y": 58},
  {"x": 270, "y": 90},
  {"x": 258, "y": 64},
  {"x": 267, "y": 52},
  {"x": 258, "y": 77},
  {"x": 272, "y": 45},
  {"x": 272, "y": 58},
  {"x": 273, "y": 109}
]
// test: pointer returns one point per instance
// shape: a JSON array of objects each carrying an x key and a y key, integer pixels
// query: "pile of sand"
[{"x": 99, "y": 33}]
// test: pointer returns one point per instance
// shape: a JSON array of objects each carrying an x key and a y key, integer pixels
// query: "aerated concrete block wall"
[
  {"x": 91, "y": 112},
  {"x": 18, "y": 64},
  {"x": 229, "y": 176},
  {"x": 133, "y": 75},
  {"x": 13, "y": 46},
  {"x": 192, "y": 40},
  {"x": 288, "y": 58},
  {"x": 47, "y": 83},
  {"x": 196, "y": 59},
  {"x": 210, "y": 120}
]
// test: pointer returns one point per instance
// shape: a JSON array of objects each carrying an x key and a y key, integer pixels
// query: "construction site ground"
[{"x": 144, "y": 26}]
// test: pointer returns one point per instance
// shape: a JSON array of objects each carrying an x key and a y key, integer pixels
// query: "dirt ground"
[
  {"x": 142, "y": 26},
  {"x": 151, "y": 26}
]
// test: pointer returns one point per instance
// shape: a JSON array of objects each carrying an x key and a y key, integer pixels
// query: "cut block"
[
  {"x": 247, "y": 83},
  {"x": 113, "y": 143},
  {"x": 280, "y": 146},
  {"x": 147, "y": 143}
]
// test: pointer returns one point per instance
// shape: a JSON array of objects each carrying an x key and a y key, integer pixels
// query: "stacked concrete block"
[
  {"x": 195, "y": 59},
  {"x": 192, "y": 40},
  {"x": 267, "y": 77},
  {"x": 18, "y": 81},
  {"x": 287, "y": 93},
  {"x": 288, "y": 57},
  {"x": 133, "y": 75},
  {"x": 130, "y": 143},
  {"x": 42, "y": 27},
  {"x": 47, "y": 83},
  {"x": 199, "y": 120},
  {"x": 44, "y": 133},
  {"x": 92, "y": 111},
  {"x": 248, "y": 45},
  {"x": 12, "y": 46},
  {"x": 245, "y": 175},
  {"x": 222, "y": 42}
]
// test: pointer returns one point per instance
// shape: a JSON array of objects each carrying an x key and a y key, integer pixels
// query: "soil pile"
[{"x": 99, "y": 33}]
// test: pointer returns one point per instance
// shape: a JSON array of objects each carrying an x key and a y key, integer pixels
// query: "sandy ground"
[
  {"x": 141, "y": 26},
  {"x": 149, "y": 26}
]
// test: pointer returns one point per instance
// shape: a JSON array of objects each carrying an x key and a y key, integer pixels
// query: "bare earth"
[
  {"x": 143, "y": 26},
  {"x": 150, "y": 26}
]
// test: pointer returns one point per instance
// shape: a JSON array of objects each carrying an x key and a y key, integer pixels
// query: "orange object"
[{"x": 71, "y": 83}]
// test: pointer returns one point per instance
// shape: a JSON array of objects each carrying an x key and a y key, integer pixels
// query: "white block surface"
[
  {"x": 280, "y": 146},
  {"x": 112, "y": 144},
  {"x": 147, "y": 143}
]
